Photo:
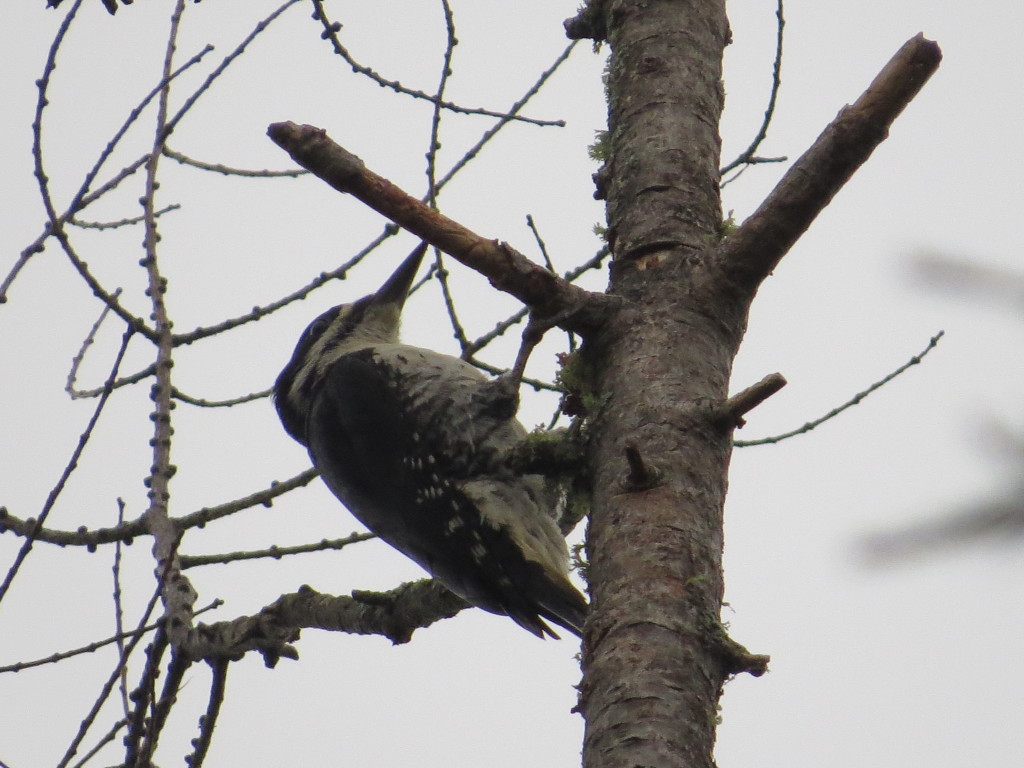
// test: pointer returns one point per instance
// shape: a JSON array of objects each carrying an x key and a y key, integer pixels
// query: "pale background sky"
[{"x": 910, "y": 664}]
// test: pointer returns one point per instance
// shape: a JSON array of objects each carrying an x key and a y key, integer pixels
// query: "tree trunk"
[
  {"x": 655, "y": 653},
  {"x": 653, "y": 670}
]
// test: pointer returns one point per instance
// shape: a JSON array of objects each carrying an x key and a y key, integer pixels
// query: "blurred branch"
[
  {"x": 960, "y": 276},
  {"x": 997, "y": 520}
]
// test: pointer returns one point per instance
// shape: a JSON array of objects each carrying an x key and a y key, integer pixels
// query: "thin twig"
[
  {"x": 130, "y": 634},
  {"x": 51, "y": 498},
  {"x": 570, "y": 336},
  {"x": 124, "y": 381},
  {"x": 90, "y": 337},
  {"x": 126, "y": 222},
  {"x": 340, "y": 273},
  {"x": 105, "y": 739},
  {"x": 208, "y": 721},
  {"x": 229, "y": 171},
  {"x": 505, "y": 119},
  {"x": 144, "y": 694},
  {"x": 161, "y": 708},
  {"x": 171, "y": 123},
  {"x": 275, "y": 552},
  {"x": 331, "y": 29},
  {"x": 228, "y": 403},
  {"x": 747, "y": 157},
  {"x": 111, "y": 681},
  {"x": 440, "y": 272},
  {"x": 119, "y": 613},
  {"x": 849, "y": 403}
]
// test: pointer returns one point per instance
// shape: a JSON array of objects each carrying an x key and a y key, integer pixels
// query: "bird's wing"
[{"x": 400, "y": 436}]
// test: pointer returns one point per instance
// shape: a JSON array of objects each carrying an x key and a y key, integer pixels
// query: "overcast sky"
[{"x": 909, "y": 663}]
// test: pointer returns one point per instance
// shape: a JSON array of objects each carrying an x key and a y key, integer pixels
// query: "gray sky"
[{"x": 908, "y": 664}]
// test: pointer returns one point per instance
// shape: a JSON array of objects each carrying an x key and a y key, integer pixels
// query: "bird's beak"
[{"x": 397, "y": 287}]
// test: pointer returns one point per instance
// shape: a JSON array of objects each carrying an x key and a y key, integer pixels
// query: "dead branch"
[
  {"x": 395, "y": 614},
  {"x": 736, "y": 407},
  {"x": 507, "y": 269},
  {"x": 752, "y": 252}
]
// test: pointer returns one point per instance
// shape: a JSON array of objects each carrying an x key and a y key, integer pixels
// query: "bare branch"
[
  {"x": 126, "y": 532},
  {"x": 33, "y": 527},
  {"x": 258, "y": 313},
  {"x": 736, "y": 407},
  {"x": 641, "y": 476},
  {"x": 757, "y": 246},
  {"x": 395, "y": 614},
  {"x": 507, "y": 269},
  {"x": 131, "y": 634},
  {"x": 161, "y": 708},
  {"x": 229, "y": 171},
  {"x": 275, "y": 552},
  {"x": 105, "y": 739},
  {"x": 177, "y": 593},
  {"x": 143, "y": 696},
  {"x": 108, "y": 686},
  {"x": 507, "y": 118},
  {"x": 331, "y": 29},
  {"x": 119, "y": 615},
  {"x": 849, "y": 403},
  {"x": 208, "y": 721},
  {"x": 76, "y": 361},
  {"x": 200, "y": 402},
  {"x": 126, "y": 222},
  {"x": 749, "y": 155}
]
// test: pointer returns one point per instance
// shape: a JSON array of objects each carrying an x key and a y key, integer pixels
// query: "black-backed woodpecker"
[{"x": 415, "y": 444}]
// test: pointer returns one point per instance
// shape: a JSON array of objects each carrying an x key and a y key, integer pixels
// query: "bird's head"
[{"x": 343, "y": 329}]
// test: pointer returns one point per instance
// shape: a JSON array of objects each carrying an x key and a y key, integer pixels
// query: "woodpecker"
[{"x": 415, "y": 444}]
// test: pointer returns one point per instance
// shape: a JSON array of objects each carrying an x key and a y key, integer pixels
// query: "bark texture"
[
  {"x": 660, "y": 423},
  {"x": 652, "y": 671}
]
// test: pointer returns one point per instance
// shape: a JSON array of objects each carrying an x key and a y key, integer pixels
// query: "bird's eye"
[{"x": 318, "y": 328}]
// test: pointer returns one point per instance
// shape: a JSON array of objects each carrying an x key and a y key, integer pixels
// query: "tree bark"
[
  {"x": 652, "y": 671},
  {"x": 660, "y": 423}
]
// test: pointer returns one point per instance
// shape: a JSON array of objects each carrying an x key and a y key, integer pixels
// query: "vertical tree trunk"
[
  {"x": 655, "y": 654},
  {"x": 652, "y": 669}
]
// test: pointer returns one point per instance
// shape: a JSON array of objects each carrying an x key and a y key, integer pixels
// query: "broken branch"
[{"x": 507, "y": 269}]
